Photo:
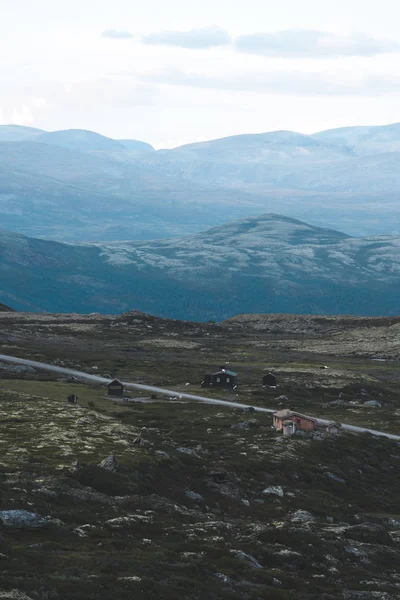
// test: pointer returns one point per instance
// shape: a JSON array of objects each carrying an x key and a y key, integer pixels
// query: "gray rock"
[
  {"x": 274, "y": 490},
  {"x": 282, "y": 399},
  {"x": 300, "y": 433},
  {"x": 335, "y": 478},
  {"x": 22, "y": 519},
  {"x": 224, "y": 578},
  {"x": 302, "y": 516},
  {"x": 162, "y": 453},
  {"x": 194, "y": 497},
  {"x": 338, "y": 402},
  {"x": 189, "y": 451},
  {"x": 373, "y": 403},
  {"x": 395, "y": 523},
  {"x": 109, "y": 464},
  {"x": 246, "y": 558}
]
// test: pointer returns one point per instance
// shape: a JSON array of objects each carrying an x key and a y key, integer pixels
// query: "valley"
[{"x": 212, "y": 502}]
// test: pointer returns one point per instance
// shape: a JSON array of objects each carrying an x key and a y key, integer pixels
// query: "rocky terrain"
[
  {"x": 185, "y": 500},
  {"x": 263, "y": 264}
]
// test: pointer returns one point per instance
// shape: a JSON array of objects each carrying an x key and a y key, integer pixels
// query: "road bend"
[{"x": 149, "y": 388}]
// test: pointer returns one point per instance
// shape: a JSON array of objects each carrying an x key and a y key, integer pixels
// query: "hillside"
[
  {"x": 345, "y": 179},
  {"x": 212, "y": 503},
  {"x": 4, "y": 308},
  {"x": 57, "y": 192},
  {"x": 264, "y": 264}
]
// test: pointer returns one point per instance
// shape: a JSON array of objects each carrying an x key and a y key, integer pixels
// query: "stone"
[
  {"x": 224, "y": 578},
  {"x": 274, "y": 490},
  {"x": 162, "y": 453},
  {"x": 194, "y": 497},
  {"x": 302, "y": 516},
  {"x": 109, "y": 464},
  {"x": 22, "y": 519},
  {"x": 335, "y": 478},
  {"x": 338, "y": 402},
  {"x": 373, "y": 403}
]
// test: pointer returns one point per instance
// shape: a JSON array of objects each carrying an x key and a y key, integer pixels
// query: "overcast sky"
[{"x": 180, "y": 71}]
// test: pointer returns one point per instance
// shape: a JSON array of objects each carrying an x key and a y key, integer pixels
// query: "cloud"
[
  {"x": 195, "y": 38},
  {"x": 117, "y": 34},
  {"x": 327, "y": 83},
  {"x": 312, "y": 44}
]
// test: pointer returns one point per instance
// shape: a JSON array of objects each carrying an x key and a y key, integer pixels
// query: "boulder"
[
  {"x": 335, "y": 478},
  {"x": 194, "y": 497},
  {"x": 274, "y": 490},
  {"x": 302, "y": 516},
  {"x": 373, "y": 403},
  {"x": 22, "y": 519},
  {"x": 109, "y": 464}
]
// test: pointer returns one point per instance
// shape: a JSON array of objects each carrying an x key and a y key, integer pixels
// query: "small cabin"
[
  {"x": 72, "y": 399},
  {"x": 115, "y": 388},
  {"x": 269, "y": 380},
  {"x": 302, "y": 422},
  {"x": 333, "y": 428},
  {"x": 222, "y": 378}
]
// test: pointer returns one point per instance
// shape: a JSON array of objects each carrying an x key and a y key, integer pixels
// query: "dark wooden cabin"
[
  {"x": 115, "y": 388},
  {"x": 222, "y": 378},
  {"x": 269, "y": 380},
  {"x": 72, "y": 399}
]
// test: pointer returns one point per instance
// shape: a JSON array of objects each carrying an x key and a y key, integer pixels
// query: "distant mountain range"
[
  {"x": 263, "y": 264},
  {"x": 78, "y": 185}
]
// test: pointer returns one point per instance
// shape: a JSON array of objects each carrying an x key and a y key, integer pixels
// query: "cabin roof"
[
  {"x": 287, "y": 413},
  {"x": 226, "y": 371},
  {"x": 115, "y": 382}
]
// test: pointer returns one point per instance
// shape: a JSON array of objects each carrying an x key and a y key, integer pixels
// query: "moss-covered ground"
[{"x": 185, "y": 514}]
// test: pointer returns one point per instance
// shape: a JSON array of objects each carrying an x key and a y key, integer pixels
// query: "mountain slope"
[
  {"x": 266, "y": 264},
  {"x": 17, "y": 133},
  {"x": 57, "y": 192},
  {"x": 363, "y": 140},
  {"x": 136, "y": 146},
  {"x": 79, "y": 139}
]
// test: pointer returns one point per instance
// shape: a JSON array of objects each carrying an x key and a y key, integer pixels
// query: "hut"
[
  {"x": 302, "y": 422},
  {"x": 222, "y": 378},
  {"x": 333, "y": 428},
  {"x": 269, "y": 380},
  {"x": 72, "y": 399},
  {"x": 115, "y": 388}
]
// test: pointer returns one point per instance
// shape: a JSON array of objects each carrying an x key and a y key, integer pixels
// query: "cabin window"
[
  {"x": 228, "y": 380},
  {"x": 218, "y": 379}
]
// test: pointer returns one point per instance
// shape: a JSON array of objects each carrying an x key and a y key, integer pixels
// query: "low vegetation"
[{"x": 184, "y": 500}]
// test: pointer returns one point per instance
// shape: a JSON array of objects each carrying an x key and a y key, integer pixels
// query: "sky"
[{"x": 176, "y": 72}]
